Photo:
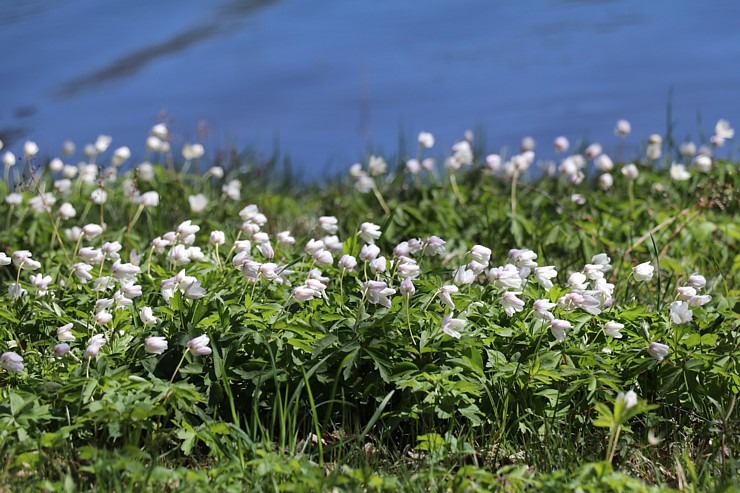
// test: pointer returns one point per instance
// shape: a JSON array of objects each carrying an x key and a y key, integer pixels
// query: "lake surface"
[{"x": 331, "y": 80}]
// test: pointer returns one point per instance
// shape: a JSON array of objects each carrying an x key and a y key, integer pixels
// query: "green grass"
[{"x": 338, "y": 392}]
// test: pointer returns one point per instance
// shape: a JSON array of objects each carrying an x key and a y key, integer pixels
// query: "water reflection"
[{"x": 132, "y": 63}]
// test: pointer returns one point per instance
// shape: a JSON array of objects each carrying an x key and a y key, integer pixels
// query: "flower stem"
[{"x": 179, "y": 365}]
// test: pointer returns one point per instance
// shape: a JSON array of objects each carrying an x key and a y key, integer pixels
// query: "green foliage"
[{"x": 341, "y": 392}]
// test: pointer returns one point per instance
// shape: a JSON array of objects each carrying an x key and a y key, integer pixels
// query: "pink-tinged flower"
[
  {"x": 323, "y": 257},
  {"x": 697, "y": 281},
  {"x": 413, "y": 166},
  {"x": 606, "y": 181},
  {"x": 643, "y": 272},
  {"x": 578, "y": 281},
  {"x": 378, "y": 293},
  {"x": 449, "y": 325},
  {"x": 41, "y": 283},
  {"x": 434, "y": 245},
  {"x": 407, "y": 268},
  {"x": 155, "y": 345},
  {"x": 561, "y": 144},
  {"x": 558, "y": 327},
  {"x": 680, "y": 312},
  {"x": 94, "y": 344},
  {"x": 199, "y": 346},
  {"x": 700, "y": 300},
  {"x": 103, "y": 317},
  {"x": 378, "y": 265},
  {"x": 658, "y": 351},
  {"x": 64, "y": 333},
  {"x": 444, "y": 293},
  {"x": 593, "y": 150},
  {"x": 511, "y": 303},
  {"x": 623, "y": 128},
  {"x": 369, "y": 252},
  {"x": 407, "y": 287},
  {"x": 60, "y": 350},
  {"x": 542, "y": 309},
  {"x": 92, "y": 230},
  {"x": 304, "y": 293},
  {"x": 347, "y": 262},
  {"x": 12, "y": 362},
  {"x": 612, "y": 329},
  {"x": 685, "y": 293}
]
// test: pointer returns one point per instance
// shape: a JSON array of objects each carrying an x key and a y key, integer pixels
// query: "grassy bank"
[{"x": 418, "y": 326}]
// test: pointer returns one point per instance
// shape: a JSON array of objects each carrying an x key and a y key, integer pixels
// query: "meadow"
[{"x": 438, "y": 320}]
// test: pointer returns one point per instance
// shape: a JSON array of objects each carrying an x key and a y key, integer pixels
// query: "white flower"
[
  {"x": 542, "y": 309},
  {"x": 558, "y": 327},
  {"x": 630, "y": 171},
  {"x": 623, "y": 128},
  {"x": 612, "y": 329},
  {"x": 41, "y": 283},
  {"x": 606, "y": 181},
  {"x": 120, "y": 155},
  {"x": 506, "y": 277},
  {"x": 561, "y": 144},
  {"x": 369, "y": 252},
  {"x": 493, "y": 163},
  {"x": 15, "y": 290},
  {"x": 199, "y": 346},
  {"x": 481, "y": 254},
  {"x": 369, "y": 232},
  {"x": 434, "y": 245},
  {"x": 149, "y": 199},
  {"x": 217, "y": 238},
  {"x": 643, "y": 272},
  {"x": 413, "y": 166},
  {"x": 702, "y": 163},
  {"x": 679, "y": 173},
  {"x": 67, "y": 211},
  {"x": 511, "y": 303},
  {"x": 697, "y": 280},
  {"x": 330, "y": 224},
  {"x": 658, "y": 351},
  {"x": 723, "y": 130},
  {"x": 14, "y": 198},
  {"x": 687, "y": 149},
  {"x": 445, "y": 293},
  {"x": 593, "y": 150},
  {"x": 155, "y": 345},
  {"x": 700, "y": 300},
  {"x": 233, "y": 189},
  {"x": 449, "y": 325},
  {"x": 578, "y": 281},
  {"x": 60, "y": 350},
  {"x": 94, "y": 344},
  {"x": 286, "y": 238},
  {"x": 604, "y": 163},
  {"x": 9, "y": 159},
  {"x": 92, "y": 230},
  {"x": 543, "y": 276},
  {"x": 347, "y": 262},
  {"x": 377, "y": 165},
  {"x": 304, "y": 293},
  {"x": 463, "y": 276},
  {"x": 680, "y": 312},
  {"x": 99, "y": 196},
  {"x": 629, "y": 399},
  {"x": 30, "y": 149},
  {"x": 12, "y": 362},
  {"x": 192, "y": 151},
  {"x": 426, "y": 140},
  {"x": 147, "y": 316},
  {"x": 378, "y": 293},
  {"x": 407, "y": 287},
  {"x": 64, "y": 333}
]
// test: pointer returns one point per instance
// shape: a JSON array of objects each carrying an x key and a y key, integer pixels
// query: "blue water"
[{"x": 330, "y": 80}]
